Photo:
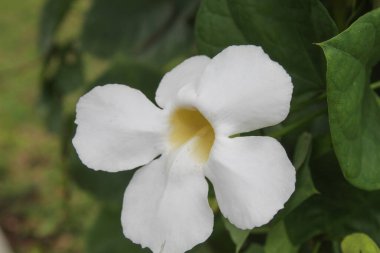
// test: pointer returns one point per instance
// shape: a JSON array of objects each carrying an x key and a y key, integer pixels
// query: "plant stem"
[{"x": 284, "y": 131}]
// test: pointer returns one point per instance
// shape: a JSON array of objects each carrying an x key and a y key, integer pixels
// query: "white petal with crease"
[
  {"x": 242, "y": 90},
  {"x": 252, "y": 179},
  {"x": 188, "y": 72},
  {"x": 165, "y": 205},
  {"x": 118, "y": 128}
]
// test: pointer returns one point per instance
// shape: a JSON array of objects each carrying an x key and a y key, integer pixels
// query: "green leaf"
[
  {"x": 53, "y": 13},
  {"x": 106, "y": 235},
  {"x": 304, "y": 182},
  {"x": 149, "y": 30},
  {"x": 255, "y": 248},
  {"x": 338, "y": 210},
  {"x": 302, "y": 150},
  {"x": 62, "y": 73},
  {"x": 107, "y": 187},
  {"x": 278, "y": 240},
  {"x": 286, "y": 30},
  {"x": 219, "y": 241},
  {"x": 354, "y": 113},
  {"x": 134, "y": 74},
  {"x": 238, "y": 236},
  {"x": 359, "y": 243}
]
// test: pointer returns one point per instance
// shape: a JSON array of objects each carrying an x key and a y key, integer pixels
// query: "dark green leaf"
[
  {"x": 105, "y": 186},
  {"x": 255, "y": 248},
  {"x": 106, "y": 235},
  {"x": 238, "y": 236},
  {"x": 302, "y": 150},
  {"x": 354, "y": 113},
  {"x": 338, "y": 210},
  {"x": 304, "y": 182},
  {"x": 285, "y": 29},
  {"x": 219, "y": 241},
  {"x": 278, "y": 241},
  {"x": 137, "y": 75},
  {"x": 53, "y": 13},
  {"x": 154, "y": 31}
]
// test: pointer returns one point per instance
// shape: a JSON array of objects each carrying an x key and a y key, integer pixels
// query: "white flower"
[{"x": 204, "y": 102}]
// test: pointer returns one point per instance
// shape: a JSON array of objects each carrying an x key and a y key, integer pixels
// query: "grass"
[{"x": 40, "y": 209}]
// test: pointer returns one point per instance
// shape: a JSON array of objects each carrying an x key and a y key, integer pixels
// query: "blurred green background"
[
  {"x": 51, "y": 52},
  {"x": 40, "y": 209}
]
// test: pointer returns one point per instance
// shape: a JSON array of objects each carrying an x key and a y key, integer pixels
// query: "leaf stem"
[
  {"x": 316, "y": 247},
  {"x": 283, "y": 131},
  {"x": 375, "y": 85}
]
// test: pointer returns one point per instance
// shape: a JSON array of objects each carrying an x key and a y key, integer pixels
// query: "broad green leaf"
[
  {"x": 214, "y": 21},
  {"x": 338, "y": 210},
  {"x": 359, "y": 243},
  {"x": 278, "y": 240},
  {"x": 52, "y": 15},
  {"x": 354, "y": 113},
  {"x": 286, "y": 29},
  {"x": 238, "y": 236},
  {"x": 106, "y": 235}
]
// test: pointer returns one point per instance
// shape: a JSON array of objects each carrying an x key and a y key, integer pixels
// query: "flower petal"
[
  {"x": 118, "y": 128},
  {"x": 165, "y": 205},
  {"x": 188, "y": 72},
  {"x": 252, "y": 179},
  {"x": 242, "y": 90}
]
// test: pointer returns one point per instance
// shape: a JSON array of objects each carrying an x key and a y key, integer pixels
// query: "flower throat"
[{"x": 188, "y": 124}]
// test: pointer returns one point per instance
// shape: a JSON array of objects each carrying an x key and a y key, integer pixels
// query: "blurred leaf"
[
  {"x": 218, "y": 242},
  {"x": 359, "y": 243},
  {"x": 150, "y": 30},
  {"x": 255, "y": 248},
  {"x": 354, "y": 113},
  {"x": 61, "y": 74},
  {"x": 285, "y": 29},
  {"x": 70, "y": 74},
  {"x": 106, "y": 235},
  {"x": 53, "y": 13},
  {"x": 238, "y": 236},
  {"x": 278, "y": 241},
  {"x": 134, "y": 74},
  {"x": 338, "y": 210},
  {"x": 108, "y": 187}
]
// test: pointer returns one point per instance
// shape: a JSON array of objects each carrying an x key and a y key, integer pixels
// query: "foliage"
[{"x": 332, "y": 130}]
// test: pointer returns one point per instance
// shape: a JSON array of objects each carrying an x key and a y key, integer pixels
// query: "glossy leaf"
[{"x": 354, "y": 113}]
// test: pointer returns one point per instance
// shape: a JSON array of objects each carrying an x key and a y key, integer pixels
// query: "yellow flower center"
[{"x": 188, "y": 124}]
